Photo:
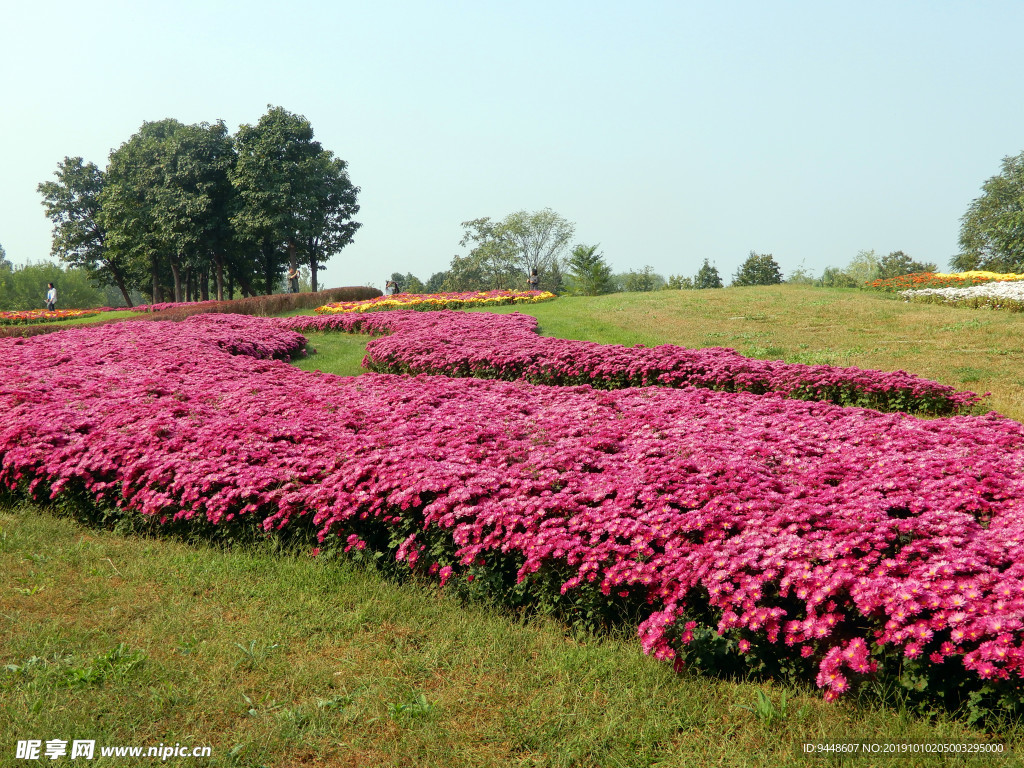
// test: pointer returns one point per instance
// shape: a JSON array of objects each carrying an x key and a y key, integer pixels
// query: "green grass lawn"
[
  {"x": 277, "y": 659},
  {"x": 274, "y": 658}
]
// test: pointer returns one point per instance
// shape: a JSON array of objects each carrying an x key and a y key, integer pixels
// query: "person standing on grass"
[
  {"x": 51, "y": 297},
  {"x": 533, "y": 281},
  {"x": 293, "y": 280}
]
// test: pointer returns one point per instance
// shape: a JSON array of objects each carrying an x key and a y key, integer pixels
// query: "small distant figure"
[
  {"x": 390, "y": 288},
  {"x": 293, "y": 280},
  {"x": 51, "y": 297},
  {"x": 533, "y": 281}
]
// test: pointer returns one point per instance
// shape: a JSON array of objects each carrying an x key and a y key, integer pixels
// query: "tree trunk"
[
  {"x": 243, "y": 283},
  {"x": 119, "y": 279},
  {"x": 312, "y": 266},
  {"x": 268, "y": 269},
  {"x": 176, "y": 271},
  {"x": 219, "y": 261},
  {"x": 157, "y": 295}
]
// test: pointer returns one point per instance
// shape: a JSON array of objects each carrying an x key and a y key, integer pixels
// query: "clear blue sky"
[{"x": 667, "y": 131}]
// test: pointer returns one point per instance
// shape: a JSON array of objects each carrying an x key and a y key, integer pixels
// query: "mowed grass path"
[{"x": 274, "y": 658}]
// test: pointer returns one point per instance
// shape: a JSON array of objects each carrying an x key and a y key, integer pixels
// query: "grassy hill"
[{"x": 273, "y": 658}]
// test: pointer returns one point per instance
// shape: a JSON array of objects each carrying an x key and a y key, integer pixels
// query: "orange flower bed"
[
  {"x": 33, "y": 316},
  {"x": 919, "y": 280}
]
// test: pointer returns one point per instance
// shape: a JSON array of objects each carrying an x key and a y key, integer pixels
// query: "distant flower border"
[
  {"x": 435, "y": 301},
  {"x": 36, "y": 316},
  {"x": 929, "y": 280}
]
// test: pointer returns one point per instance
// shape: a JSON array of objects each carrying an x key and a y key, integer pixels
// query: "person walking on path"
[{"x": 51, "y": 297}]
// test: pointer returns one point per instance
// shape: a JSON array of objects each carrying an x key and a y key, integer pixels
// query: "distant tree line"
[
  {"x": 502, "y": 253},
  {"x": 24, "y": 287},
  {"x": 863, "y": 268},
  {"x": 191, "y": 212}
]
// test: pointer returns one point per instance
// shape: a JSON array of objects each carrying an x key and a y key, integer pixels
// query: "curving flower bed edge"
[{"x": 761, "y": 530}]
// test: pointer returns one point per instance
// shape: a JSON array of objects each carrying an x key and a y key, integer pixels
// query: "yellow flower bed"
[
  {"x": 980, "y": 274},
  {"x": 429, "y": 301}
]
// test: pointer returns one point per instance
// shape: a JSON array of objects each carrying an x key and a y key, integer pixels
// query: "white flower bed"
[{"x": 1013, "y": 291}]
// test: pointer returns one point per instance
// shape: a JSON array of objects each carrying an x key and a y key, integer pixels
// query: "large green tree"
[
  {"x": 193, "y": 203},
  {"x": 505, "y": 252},
  {"x": 72, "y": 203},
  {"x": 133, "y": 207},
  {"x": 758, "y": 269},
  {"x": 182, "y": 206},
  {"x": 707, "y": 276},
  {"x": 591, "y": 275},
  {"x": 293, "y": 194},
  {"x": 466, "y": 273},
  {"x": 408, "y": 283},
  {"x": 992, "y": 230},
  {"x": 492, "y": 262},
  {"x": 435, "y": 283},
  {"x": 328, "y": 222},
  {"x": 540, "y": 238},
  {"x": 898, "y": 263}
]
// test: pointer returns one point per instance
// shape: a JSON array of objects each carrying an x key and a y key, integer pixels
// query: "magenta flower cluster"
[
  {"x": 831, "y": 531},
  {"x": 507, "y": 347}
]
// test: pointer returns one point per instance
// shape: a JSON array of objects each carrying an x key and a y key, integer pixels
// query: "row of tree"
[
  {"x": 184, "y": 212},
  {"x": 585, "y": 272},
  {"x": 991, "y": 237}
]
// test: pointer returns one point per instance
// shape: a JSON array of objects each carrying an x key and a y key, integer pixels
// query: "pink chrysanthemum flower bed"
[
  {"x": 840, "y": 536},
  {"x": 507, "y": 347}
]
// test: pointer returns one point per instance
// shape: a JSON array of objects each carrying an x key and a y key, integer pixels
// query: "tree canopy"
[
  {"x": 590, "y": 273},
  {"x": 503, "y": 253},
  {"x": 72, "y": 203},
  {"x": 758, "y": 269},
  {"x": 642, "y": 280},
  {"x": 992, "y": 230},
  {"x": 898, "y": 263},
  {"x": 707, "y": 277},
  {"x": 183, "y": 208}
]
